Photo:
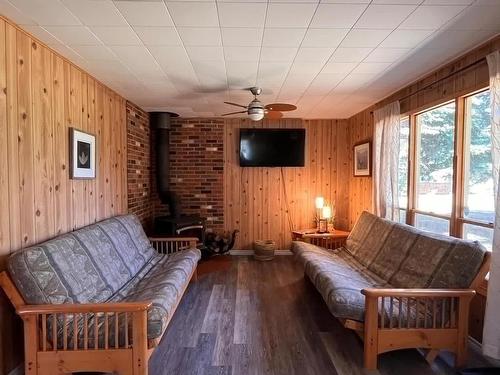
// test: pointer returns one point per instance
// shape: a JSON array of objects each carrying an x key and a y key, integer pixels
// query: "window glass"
[
  {"x": 435, "y": 148},
  {"x": 404, "y": 137},
  {"x": 432, "y": 224},
  {"x": 481, "y": 234},
  {"x": 402, "y": 216},
  {"x": 478, "y": 189}
]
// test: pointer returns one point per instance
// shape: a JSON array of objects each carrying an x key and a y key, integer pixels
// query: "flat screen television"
[{"x": 272, "y": 147}]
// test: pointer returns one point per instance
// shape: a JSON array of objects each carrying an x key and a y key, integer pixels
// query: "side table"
[{"x": 330, "y": 240}]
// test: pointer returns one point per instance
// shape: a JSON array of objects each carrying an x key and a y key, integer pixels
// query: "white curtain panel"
[
  {"x": 491, "y": 333},
  {"x": 385, "y": 161}
]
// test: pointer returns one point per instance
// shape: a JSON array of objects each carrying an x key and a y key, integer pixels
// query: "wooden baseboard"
[{"x": 250, "y": 252}]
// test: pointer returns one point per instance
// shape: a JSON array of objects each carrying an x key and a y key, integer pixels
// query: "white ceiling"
[{"x": 332, "y": 58}]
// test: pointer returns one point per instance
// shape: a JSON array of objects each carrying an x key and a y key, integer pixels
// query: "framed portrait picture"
[
  {"x": 82, "y": 154},
  {"x": 362, "y": 159}
]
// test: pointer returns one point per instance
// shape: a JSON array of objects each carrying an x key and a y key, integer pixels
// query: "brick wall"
[
  {"x": 197, "y": 169},
  {"x": 139, "y": 164}
]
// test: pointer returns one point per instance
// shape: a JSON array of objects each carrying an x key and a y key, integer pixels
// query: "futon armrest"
[
  {"x": 75, "y": 308},
  {"x": 168, "y": 245},
  {"x": 429, "y": 293}
]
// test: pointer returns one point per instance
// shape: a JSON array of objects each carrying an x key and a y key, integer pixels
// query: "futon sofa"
[
  {"x": 99, "y": 298},
  {"x": 398, "y": 287}
]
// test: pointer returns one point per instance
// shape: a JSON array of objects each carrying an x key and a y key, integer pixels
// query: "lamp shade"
[
  {"x": 320, "y": 202},
  {"x": 326, "y": 212}
]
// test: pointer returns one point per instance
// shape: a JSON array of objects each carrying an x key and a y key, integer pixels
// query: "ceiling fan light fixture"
[{"x": 256, "y": 114}]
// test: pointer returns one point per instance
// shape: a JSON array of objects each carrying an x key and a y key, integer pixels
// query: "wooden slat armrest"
[
  {"x": 75, "y": 308},
  {"x": 429, "y": 293},
  {"x": 174, "y": 239}
]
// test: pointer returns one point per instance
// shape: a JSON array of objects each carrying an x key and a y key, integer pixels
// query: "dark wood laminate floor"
[{"x": 246, "y": 317}]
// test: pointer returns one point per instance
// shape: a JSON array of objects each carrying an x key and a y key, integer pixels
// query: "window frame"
[{"x": 457, "y": 217}]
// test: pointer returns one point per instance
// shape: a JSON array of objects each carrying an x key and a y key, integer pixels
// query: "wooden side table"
[{"x": 330, "y": 240}]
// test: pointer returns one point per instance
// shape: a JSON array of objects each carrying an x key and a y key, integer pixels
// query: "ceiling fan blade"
[
  {"x": 273, "y": 115},
  {"x": 282, "y": 107},
  {"x": 237, "y": 105},
  {"x": 233, "y": 113}
]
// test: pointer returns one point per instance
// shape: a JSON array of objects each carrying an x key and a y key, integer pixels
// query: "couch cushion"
[
  {"x": 162, "y": 281},
  {"x": 406, "y": 257},
  {"x": 85, "y": 266},
  {"x": 339, "y": 278}
]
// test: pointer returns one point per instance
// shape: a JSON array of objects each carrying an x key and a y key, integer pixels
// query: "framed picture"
[
  {"x": 82, "y": 151},
  {"x": 362, "y": 159}
]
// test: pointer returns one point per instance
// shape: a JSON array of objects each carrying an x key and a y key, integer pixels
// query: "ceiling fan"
[{"x": 257, "y": 111}]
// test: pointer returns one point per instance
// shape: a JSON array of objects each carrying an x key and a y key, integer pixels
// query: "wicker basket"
[{"x": 264, "y": 249}]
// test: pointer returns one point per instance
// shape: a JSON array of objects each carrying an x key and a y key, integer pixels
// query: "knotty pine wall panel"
[
  {"x": 41, "y": 96},
  {"x": 266, "y": 203}
]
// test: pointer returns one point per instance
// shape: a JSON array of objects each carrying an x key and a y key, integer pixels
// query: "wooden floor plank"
[{"x": 254, "y": 318}]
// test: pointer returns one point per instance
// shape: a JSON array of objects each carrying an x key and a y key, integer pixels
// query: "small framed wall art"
[
  {"x": 82, "y": 154},
  {"x": 362, "y": 159}
]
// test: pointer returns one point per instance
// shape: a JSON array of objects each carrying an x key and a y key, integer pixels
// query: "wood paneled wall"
[
  {"x": 265, "y": 203},
  {"x": 459, "y": 83},
  {"x": 41, "y": 96}
]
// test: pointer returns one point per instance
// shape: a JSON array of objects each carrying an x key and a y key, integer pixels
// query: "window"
[
  {"x": 445, "y": 153},
  {"x": 404, "y": 143},
  {"x": 435, "y": 134},
  {"x": 478, "y": 201}
]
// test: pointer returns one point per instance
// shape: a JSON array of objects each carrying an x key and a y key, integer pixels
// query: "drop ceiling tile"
[
  {"x": 304, "y": 68},
  {"x": 384, "y": 16},
  {"x": 371, "y": 68},
  {"x": 96, "y": 12},
  {"x": 235, "y": 36},
  {"x": 176, "y": 64},
  {"x": 324, "y": 37},
  {"x": 46, "y": 12},
  {"x": 333, "y": 67},
  {"x": 95, "y": 52},
  {"x": 158, "y": 36},
  {"x": 365, "y": 37},
  {"x": 350, "y": 54},
  {"x": 116, "y": 35},
  {"x": 314, "y": 54},
  {"x": 73, "y": 35},
  {"x": 386, "y": 54},
  {"x": 269, "y": 54},
  {"x": 202, "y": 53},
  {"x": 211, "y": 74},
  {"x": 431, "y": 17},
  {"x": 289, "y": 15},
  {"x": 337, "y": 16},
  {"x": 145, "y": 13},
  {"x": 448, "y": 2},
  {"x": 138, "y": 60},
  {"x": 275, "y": 70},
  {"x": 241, "y": 53},
  {"x": 283, "y": 37},
  {"x": 241, "y": 74},
  {"x": 242, "y": 14},
  {"x": 324, "y": 83},
  {"x": 405, "y": 38},
  {"x": 400, "y": 2},
  {"x": 13, "y": 13},
  {"x": 478, "y": 17},
  {"x": 456, "y": 41},
  {"x": 194, "y": 14},
  {"x": 69, "y": 53},
  {"x": 42, "y": 34},
  {"x": 197, "y": 36}
]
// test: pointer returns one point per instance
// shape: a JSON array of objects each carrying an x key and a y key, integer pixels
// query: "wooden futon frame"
[
  {"x": 433, "y": 319},
  {"x": 124, "y": 351}
]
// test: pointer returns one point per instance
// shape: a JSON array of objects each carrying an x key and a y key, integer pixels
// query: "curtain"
[
  {"x": 491, "y": 330},
  {"x": 386, "y": 161}
]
